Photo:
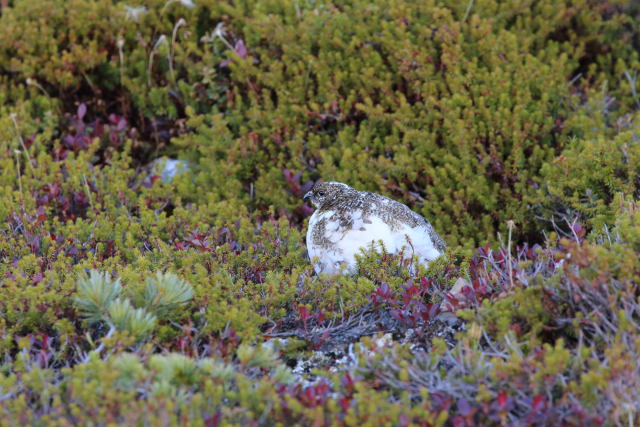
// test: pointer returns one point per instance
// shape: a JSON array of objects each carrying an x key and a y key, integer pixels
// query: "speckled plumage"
[{"x": 347, "y": 220}]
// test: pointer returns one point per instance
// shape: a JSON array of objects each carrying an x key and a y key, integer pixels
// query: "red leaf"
[
  {"x": 502, "y": 399},
  {"x": 41, "y": 214},
  {"x": 304, "y": 313},
  {"x": 425, "y": 283},
  {"x": 45, "y": 342},
  {"x": 578, "y": 230},
  {"x": 348, "y": 383},
  {"x": 213, "y": 421},
  {"x": 538, "y": 402}
]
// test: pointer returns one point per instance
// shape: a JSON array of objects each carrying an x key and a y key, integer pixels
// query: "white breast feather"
[{"x": 347, "y": 243}]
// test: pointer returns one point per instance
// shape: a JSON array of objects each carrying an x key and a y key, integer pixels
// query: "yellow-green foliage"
[
  {"x": 474, "y": 113},
  {"x": 451, "y": 107},
  {"x": 589, "y": 173},
  {"x": 413, "y": 102}
]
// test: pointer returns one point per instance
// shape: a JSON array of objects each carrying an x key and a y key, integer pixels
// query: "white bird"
[{"x": 348, "y": 221}]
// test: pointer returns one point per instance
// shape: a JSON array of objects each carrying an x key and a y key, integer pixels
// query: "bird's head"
[{"x": 324, "y": 193}]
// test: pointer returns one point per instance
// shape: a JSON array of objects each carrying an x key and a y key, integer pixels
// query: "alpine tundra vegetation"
[{"x": 179, "y": 291}]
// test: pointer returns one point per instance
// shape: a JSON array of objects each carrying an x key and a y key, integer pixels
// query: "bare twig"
[{"x": 632, "y": 83}]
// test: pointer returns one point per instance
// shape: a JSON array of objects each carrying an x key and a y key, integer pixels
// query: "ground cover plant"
[{"x": 133, "y": 296}]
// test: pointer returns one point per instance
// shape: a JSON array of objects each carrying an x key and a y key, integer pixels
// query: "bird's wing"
[{"x": 410, "y": 229}]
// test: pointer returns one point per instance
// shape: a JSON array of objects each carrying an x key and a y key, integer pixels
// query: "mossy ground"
[{"x": 512, "y": 126}]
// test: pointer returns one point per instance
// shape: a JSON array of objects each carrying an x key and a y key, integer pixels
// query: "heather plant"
[
  {"x": 418, "y": 132},
  {"x": 437, "y": 77},
  {"x": 127, "y": 297},
  {"x": 584, "y": 180}
]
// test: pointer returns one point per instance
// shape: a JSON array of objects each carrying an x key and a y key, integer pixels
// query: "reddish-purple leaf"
[
  {"x": 502, "y": 399},
  {"x": 213, "y": 421},
  {"x": 578, "y": 230},
  {"x": 538, "y": 401},
  {"x": 347, "y": 382},
  {"x": 425, "y": 283},
  {"x": 241, "y": 49},
  {"x": 45, "y": 342},
  {"x": 345, "y": 403}
]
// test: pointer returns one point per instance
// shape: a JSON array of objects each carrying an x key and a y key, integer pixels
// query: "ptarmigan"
[{"x": 348, "y": 220}]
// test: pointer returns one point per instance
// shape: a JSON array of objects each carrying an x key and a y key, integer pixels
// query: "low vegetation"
[{"x": 130, "y": 296}]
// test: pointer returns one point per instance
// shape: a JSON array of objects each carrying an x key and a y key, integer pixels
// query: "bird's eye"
[{"x": 321, "y": 193}]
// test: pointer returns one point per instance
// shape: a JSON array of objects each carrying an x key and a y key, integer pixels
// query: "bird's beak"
[{"x": 307, "y": 196}]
